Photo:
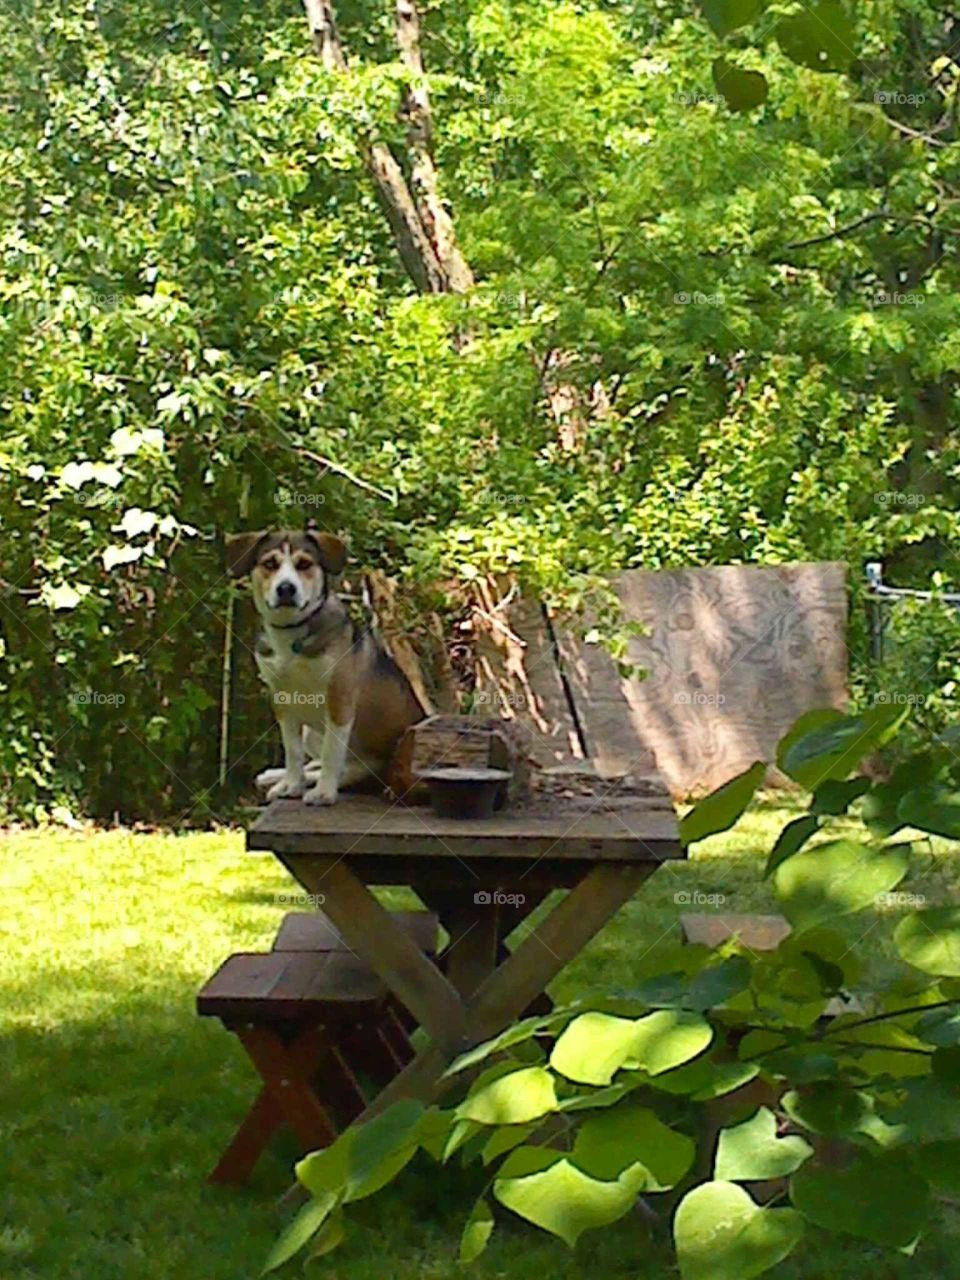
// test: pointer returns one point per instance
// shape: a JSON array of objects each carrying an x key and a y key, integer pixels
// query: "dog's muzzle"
[{"x": 285, "y": 595}]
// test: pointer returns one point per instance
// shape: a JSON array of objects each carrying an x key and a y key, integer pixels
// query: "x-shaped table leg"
[{"x": 458, "y": 1021}]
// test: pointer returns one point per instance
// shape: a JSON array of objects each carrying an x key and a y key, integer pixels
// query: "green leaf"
[
  {"x": 328, "y": 1237},
  {"x": 605, "y": 1097},
  {"x": 717, "y": 984},
  {"x": 875, "y": 1198},
  {"x": 752, "y": 1151},
  {"x": 706, "y": 1079},
  {"x": 930, "y": 940},
  {"x": 831, "y": 1109},
  {"x": 722, "y": 1234},
  {"x": 721, "y": 809},
  {"x": 477, "y": 1232},
  {"x": 304, "y": 1226},
  {"x": 364, "y": 1157},
  {"x": 939, "y": 1027},
  {"x": 516, "y": 1034},
  {"x": 505, "y": 1139},
  {"x": 826, "y": 744},
  {"x": 596, "y": 1045},
  {"x": 791, "y": 839},
  {"x": 934, "y": 808},
  {"x": 382, "y": 1147},
  {"x": 939, "y": 1164},
  {"x": 461, "y": 1132},
  {"x": 930, "y": 1111},
  {"x": 727, "y": 15},
  {"x": 835, "y": 796},
  {"x": 820, "y": 37},
  {"x": 742, "y": 90},
  {"x": 434, "y": 1131},
  {"x": 835, "y": 879},
  {"x": 945, "y": 1065},
  {"x": 608, "y": 1144},
  {"x": 566, "y": 1201},
  {"x": 879, "y": 810},
  {"x": 516, "y": 1098}
]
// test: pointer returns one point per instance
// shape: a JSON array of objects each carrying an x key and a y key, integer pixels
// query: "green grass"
[{"x": 117, "y": 1099}]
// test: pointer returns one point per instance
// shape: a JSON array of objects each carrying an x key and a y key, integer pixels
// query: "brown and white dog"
[{"x": 340, "y": 700}]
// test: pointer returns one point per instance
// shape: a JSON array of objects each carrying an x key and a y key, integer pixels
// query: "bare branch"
[
  {"x": 423, "y": 172},
  {"x": 323, "y": 30},
  {"x": 342, "y": 471},
  {"x": 851, "y": 227},
  {"x": 414, "y": 243}
]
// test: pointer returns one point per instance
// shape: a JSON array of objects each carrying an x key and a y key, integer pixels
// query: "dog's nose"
[{"x": 286, "y": 593}]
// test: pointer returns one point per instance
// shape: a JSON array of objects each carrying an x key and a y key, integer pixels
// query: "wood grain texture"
[
  {"x": 373, "y": 934},
  {"x": 734, "y": 655},
  {"x": 643, "y": 830}
]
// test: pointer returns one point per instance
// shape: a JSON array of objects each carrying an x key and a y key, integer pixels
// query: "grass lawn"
[{"x": 117, "y": 1099}]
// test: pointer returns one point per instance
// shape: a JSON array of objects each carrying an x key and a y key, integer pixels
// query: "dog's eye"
[
  {"x": 303, "y": 564},
  {"x": 270, "y": 563}
]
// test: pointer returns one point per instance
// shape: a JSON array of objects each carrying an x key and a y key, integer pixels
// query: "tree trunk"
[{"x": 422, "y": 228}]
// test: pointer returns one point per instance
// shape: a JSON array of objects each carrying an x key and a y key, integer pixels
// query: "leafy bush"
[
  {"x": 719, "y": 1088},
  {"x": 921, "y": 658}
]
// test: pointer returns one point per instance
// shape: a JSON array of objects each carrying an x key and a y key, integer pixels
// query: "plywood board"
[{"x": 734, "y": 655}]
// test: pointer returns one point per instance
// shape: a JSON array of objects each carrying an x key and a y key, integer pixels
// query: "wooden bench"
[
  {"x": 314, "y": 931},
  {"x": 318, "y": 1025}
]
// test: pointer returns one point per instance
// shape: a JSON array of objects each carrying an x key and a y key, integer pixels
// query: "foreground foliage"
[{"x": 717, "y": 1088}]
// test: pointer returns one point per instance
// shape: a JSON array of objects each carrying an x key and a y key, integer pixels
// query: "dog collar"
[{"x": 304, "y": 622}]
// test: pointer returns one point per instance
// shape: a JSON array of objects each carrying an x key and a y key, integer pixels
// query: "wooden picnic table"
[{"x": 598, "y": 839}]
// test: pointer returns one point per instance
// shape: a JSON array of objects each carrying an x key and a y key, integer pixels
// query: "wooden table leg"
[
  {"x": 552, "y": 945},
  {"x": 374, "y": 934}
]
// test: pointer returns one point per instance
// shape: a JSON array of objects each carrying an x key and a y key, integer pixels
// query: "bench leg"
[
  {"x": 262, "y": 1121},
  {"x": 287, "y": 1095},
  {"x": 285, "y": 1070}
]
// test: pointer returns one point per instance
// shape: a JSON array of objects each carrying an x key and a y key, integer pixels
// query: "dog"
[{"x": 339, "y": 698}]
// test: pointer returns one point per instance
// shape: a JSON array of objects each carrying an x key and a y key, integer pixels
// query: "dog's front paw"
[
  {"x": 268, "y": 777},
  {"x": 288, "y": 785},
  {"x": 323, "y": 792}
]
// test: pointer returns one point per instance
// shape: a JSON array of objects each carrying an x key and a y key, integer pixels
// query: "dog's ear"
[
  {"x": 331, "y": 550},
  {"x": 241, "y": 552}
]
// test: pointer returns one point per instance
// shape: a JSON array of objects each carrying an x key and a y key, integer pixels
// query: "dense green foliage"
[
  {"x": 698, "y": 335},
  {"x": 716, "y": 1080}
]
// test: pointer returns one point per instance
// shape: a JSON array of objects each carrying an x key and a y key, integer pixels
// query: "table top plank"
[{"x": 640, "y": 829}]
